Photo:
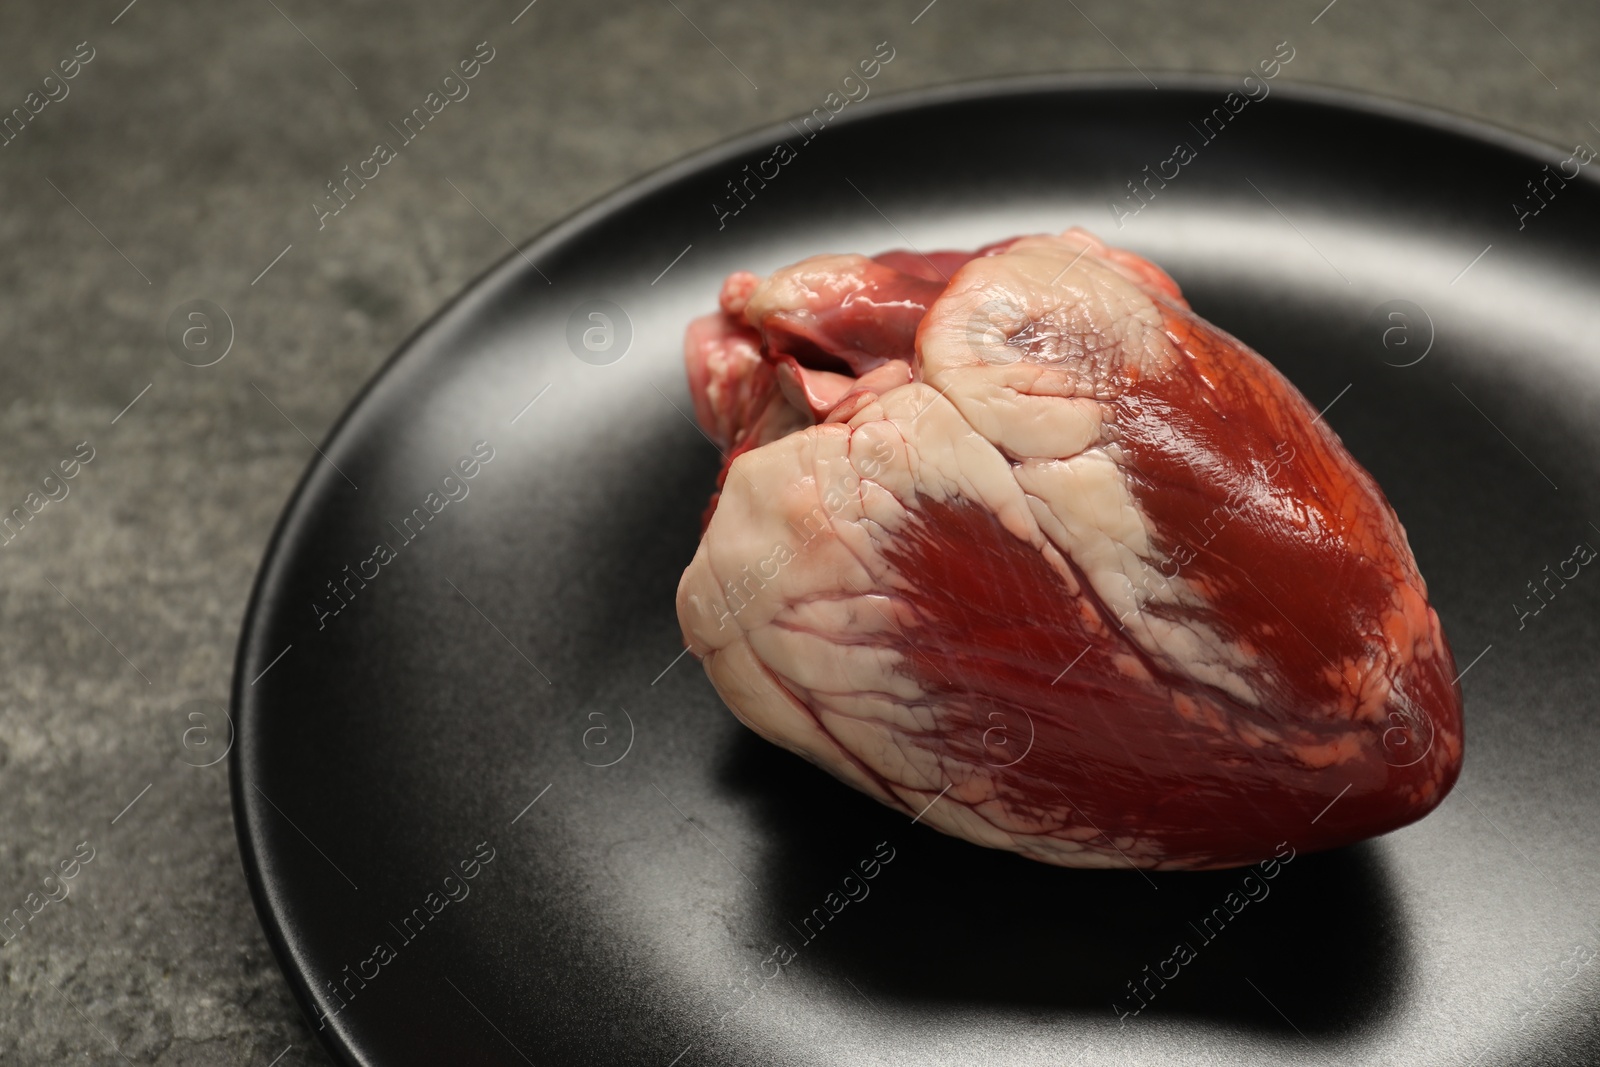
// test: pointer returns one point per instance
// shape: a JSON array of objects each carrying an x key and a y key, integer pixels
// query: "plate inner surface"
[{"x": 520, "y": 648}]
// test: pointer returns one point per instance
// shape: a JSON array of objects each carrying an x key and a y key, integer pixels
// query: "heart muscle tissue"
[{"x": 1016, "y": 543}]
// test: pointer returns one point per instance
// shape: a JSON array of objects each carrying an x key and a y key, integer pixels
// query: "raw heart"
[{"x": 1017, "y": 532}]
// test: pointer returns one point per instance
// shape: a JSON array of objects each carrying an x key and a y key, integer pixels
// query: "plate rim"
[{"x": 513, "y": 265}]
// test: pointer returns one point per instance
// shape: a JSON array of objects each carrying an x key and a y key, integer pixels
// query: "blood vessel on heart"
[{"x": 1016, "y": 534}]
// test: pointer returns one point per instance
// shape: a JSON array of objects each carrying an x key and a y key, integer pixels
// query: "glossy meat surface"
[{"x": 1017, "y": 534}]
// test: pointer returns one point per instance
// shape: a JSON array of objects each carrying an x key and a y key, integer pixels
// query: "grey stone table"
[{"x": 181, "y": 161}]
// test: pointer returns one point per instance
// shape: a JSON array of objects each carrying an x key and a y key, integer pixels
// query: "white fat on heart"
[
  {"x": 839, "y": 663},
  {"x": 1084, "y": 506},
  {"x": 911, "y": 717},
  {"x": 866, "y": 615},
  {"x": 937, "y": 457},
  {"x": 747, "y": 686},
  {"x": 883, "y": 747},
  {"x": 775, "y": 537},
  {"x": 954, "y": 815},
  {"x": 816, "y": 281},
  {"x": 1026, "y": 342}
]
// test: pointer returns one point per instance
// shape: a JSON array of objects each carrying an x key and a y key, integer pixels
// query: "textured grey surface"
[{"x": 196, "y": 140}]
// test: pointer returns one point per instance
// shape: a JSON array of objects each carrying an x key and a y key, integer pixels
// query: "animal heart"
[{"x": 1015, "y": 541}]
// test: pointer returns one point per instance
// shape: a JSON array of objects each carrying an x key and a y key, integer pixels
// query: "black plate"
[{"x": 527, "y": 636}]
